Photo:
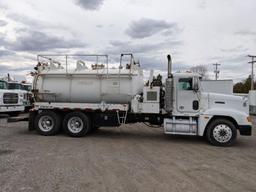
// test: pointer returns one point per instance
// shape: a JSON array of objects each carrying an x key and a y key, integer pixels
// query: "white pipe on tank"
[{"x": 151, "y": 77}]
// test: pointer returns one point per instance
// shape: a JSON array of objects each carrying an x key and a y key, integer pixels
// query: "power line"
[
  {"x": 216, "y": 71},
  {"x": 252, "y": 75}
]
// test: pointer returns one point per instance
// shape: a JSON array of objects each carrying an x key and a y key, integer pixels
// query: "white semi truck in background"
[
  {"x": 83, "y": 98},
  {"x": 25, "y": 90},
  {"x": 11, "y": 101}
]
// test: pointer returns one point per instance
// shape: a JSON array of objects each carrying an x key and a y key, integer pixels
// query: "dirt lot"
[{"x": 130, "y": 158}]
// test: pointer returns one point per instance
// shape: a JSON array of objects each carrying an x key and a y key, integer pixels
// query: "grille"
[{"x": 10, "y": 98}]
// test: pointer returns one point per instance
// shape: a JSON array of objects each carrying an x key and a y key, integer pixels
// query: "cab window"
[
  {"x": 3, "y": 85},
  {"x": 185, "y": 84}
]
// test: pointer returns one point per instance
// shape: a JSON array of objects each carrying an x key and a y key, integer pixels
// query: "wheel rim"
[
  {"x": 75, "y": 124},
  {"x": 46, "y": 123},
  {"x": 222, "y": 133}
]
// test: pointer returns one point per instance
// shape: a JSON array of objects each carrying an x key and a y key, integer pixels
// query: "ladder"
[{"x": 121, "y": 119}]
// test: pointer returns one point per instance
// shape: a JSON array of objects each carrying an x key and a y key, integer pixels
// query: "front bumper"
[
  {"x": 4, "y": 109},
  {"x": 245, "y": 130}
]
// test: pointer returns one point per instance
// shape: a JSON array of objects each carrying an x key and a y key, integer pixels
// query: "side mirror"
[{"x": 196, "y": 85}]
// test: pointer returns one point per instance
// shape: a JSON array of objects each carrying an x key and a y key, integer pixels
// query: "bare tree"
[{"x": 200, "y": 69}]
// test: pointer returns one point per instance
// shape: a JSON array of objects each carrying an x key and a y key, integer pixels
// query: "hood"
[{"x": 217, "y": 100}]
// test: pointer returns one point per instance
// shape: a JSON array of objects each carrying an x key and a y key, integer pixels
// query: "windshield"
[
  {"x": 14, "y": 86},
  {"x": 26, "y": 87},
  {"x": 3, "y": 85}
]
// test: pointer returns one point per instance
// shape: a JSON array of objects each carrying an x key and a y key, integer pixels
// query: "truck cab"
[
  {"x": 24, "y": 90},
  {"x": 195, "y": 112},
  {"x": 11, "y": 101}
]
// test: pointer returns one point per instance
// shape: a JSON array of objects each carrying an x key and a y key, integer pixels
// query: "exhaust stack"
[
  {"x": 169, "y": 66},
  {"x": 8, "y": 77}
]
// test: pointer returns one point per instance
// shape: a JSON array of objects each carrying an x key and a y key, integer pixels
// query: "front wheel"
[
  {"x": 77, "y": 124},
  {"x": 221, "y": 132}
]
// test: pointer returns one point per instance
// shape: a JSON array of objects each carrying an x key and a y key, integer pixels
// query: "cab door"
[{"x": 187, "y": 97}]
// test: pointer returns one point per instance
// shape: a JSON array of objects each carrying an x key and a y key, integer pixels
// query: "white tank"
[{"x": 83, "y": 85}]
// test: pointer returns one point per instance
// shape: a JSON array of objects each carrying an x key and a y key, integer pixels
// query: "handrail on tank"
[
  {"x": 48, "y": 57},
  {"x": 132, "y": 61}
]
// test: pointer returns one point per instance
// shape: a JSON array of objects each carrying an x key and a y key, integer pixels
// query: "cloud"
[
  {"x": 33, "y": 22},
  {"x": 150, "y": 55},
  {"x": 28, "y": 38},
  {"x": 232, "y": 67},
  {"x": 130, "y": 46},
  {"x": 202, "y": 4},
  {"x": 4, "y": 53},
  {"x": 3, "y": 5},
  {"x": 99, "y": 26},
  {"x": 246, "y": 33},
  {"x": 90, "y": 4},
  {"x": 238, "y": 49},
  {"x": 3, "y": 40},
  {"x": 18, "y": 73},
  {"x": 160, "y": 63},
  {"x": 237, "y": 59},
  {"x": 39, "y": 41},
  {"x": 3, "y": 23},
  {"x": 147, "y": 27},
  {"x": 7, "y": 68},
  {"x": 231, "y": 61}
]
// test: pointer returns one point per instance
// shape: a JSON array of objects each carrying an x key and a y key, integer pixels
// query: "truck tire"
[
  {"x": 221, "y": 132},
  {"x": 47, "y": 123},
  {"x": 77, "y": 124}
]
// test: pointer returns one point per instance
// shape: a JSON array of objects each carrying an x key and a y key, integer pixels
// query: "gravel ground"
[{"x": 130, "y": 158}]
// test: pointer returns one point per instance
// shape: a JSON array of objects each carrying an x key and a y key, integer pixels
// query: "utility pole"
[
  {"x": 252, "y": 75},
  {"x": 216, "y": 71}
]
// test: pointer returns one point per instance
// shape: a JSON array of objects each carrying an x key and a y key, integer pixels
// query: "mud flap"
[{"x": 31, "y": 120}]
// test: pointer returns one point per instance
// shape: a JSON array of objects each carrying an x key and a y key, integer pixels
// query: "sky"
[{"x": 194, "y": 32}]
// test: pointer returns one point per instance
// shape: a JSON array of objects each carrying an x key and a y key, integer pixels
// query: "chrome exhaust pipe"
[{"x": 169, "y": 66}]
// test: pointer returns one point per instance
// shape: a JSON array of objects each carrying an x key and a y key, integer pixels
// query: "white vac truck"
[{"x": 84, "y": 98}]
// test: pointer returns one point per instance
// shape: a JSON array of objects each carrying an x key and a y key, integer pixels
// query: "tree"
[
  {"x": 243, "y": 87},
  {"x": 201, "y": 70},
  {"x": 157, "y": 81},
  {"x": 238, "y": 88}
]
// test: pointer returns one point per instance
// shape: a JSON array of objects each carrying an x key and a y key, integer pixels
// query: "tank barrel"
[
  {"x": 169, "y": 58},
  {"x": 89, "y": 85}
]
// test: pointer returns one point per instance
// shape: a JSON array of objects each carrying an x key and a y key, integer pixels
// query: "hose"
[{"x": 152, "y": 126}]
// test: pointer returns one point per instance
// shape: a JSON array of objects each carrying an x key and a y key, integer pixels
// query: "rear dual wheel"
[
  {"x": 77, "y": 124},
  {"x": 48, "y": 123}
]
